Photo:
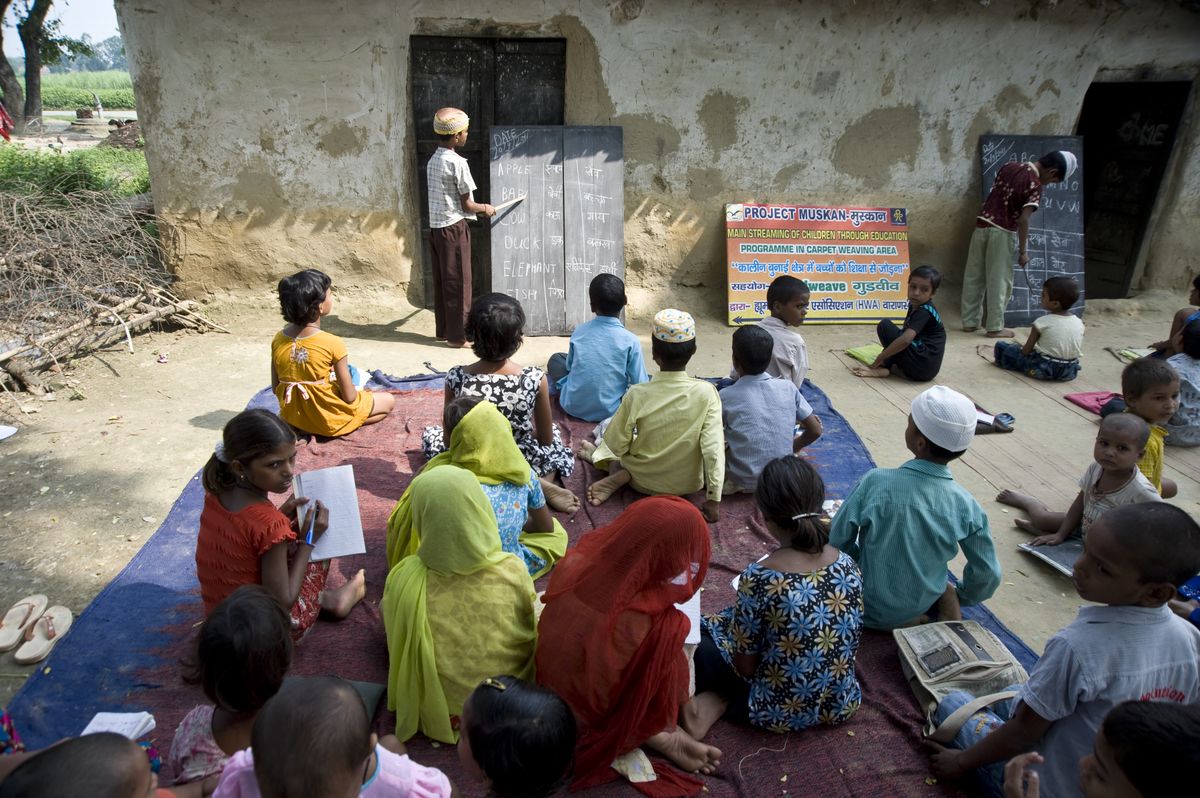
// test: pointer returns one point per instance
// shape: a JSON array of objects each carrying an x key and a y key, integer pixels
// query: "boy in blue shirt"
[
  {"x": 604, "y": 358},
  {"x": 1126, "y": 646},
  {"x": 760, "y": 413},
  {"x": 904, "y": 525}
]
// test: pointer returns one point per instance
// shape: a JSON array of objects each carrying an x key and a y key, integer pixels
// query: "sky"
[{"x": 96, "y": 18}]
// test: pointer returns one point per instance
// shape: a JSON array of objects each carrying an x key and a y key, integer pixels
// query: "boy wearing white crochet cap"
[
  {"x": 1001, "y": 227},
  {"x": 666, "y": 438},
  {"x": 904, "y": 525},
  {"x": 451, "y": 203}
]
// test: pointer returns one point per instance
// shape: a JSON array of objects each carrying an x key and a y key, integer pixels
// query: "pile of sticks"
[{"x": 78, "y": 272}]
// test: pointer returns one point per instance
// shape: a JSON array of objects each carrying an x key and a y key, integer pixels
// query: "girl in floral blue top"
[{"x": 782, "y": 657}]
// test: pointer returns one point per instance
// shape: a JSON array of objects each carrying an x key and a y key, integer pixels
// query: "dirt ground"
[{"x": 91, "y": 474}]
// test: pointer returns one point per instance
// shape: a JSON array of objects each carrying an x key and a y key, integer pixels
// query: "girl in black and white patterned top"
[{"x": 522, "y": 394}]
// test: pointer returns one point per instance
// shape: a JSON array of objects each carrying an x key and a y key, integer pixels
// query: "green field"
[
  {"x": 71, "y": 90},
  {"x": 121, "y": 172}
]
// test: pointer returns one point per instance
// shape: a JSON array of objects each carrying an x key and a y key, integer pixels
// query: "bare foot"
[
  {"x": 1005, "y": 333},
  {"x": 559, "y": 498},
  {"x": 586, "y": 450},
  {"x": 867, "y": 371},
  {"x": 1019, "y": 500},
  {"x": 1025, "y": 525},
  {"x": 599, "y": 491},
  {"x": 338, "y": 603},
  {"x": 1182, "y": 608},
  {"x": 456, "y": 344},
  {"x": 686, "y": 751},
  {"x": 701, "y": 712},
  {"x": 970, "y": 329}
]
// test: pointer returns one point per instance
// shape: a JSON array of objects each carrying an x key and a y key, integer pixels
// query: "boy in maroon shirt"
[{"x": 1001, "y": 227}]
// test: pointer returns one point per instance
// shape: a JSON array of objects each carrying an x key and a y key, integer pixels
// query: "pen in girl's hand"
[{"x": 312, "y": 520}]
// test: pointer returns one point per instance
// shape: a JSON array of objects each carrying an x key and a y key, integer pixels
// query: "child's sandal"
[
  {"x": 42, "y": 634},
  {"x": 19, "y": 619}
]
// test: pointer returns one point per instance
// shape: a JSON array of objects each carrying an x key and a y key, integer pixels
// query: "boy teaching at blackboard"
[
  {"x": 451, "y": 204},
  {"x": 1002, "y": 226}
]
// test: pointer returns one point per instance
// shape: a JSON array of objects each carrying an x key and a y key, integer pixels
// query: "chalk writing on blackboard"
[{"x": 570, "y": 227}]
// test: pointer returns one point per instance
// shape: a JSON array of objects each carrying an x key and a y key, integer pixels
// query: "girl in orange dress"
[
  {"x": 302, "y": 357},
  {"x": 245, "y": 540}
]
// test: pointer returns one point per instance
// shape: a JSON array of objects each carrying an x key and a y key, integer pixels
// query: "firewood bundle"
[{"x": 78, "y": 272}]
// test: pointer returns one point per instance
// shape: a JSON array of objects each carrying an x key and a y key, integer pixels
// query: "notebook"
[
  {"x": 133, "y": 725},
  {"x": 1061, "y": 557},
  {"x": 334, "y": 488}
]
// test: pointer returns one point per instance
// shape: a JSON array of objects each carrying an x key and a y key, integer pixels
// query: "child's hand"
[
  {"x": 1047, "y": 540},
  {"x": 1019, "y": 780},
  {"x": 711, "y": 510},
  {"x": 946, "y": 762},
  {"x": 489, "y": 210},
  {"x": 290, "y": 509},
  {"x": 320, "y": 522}
]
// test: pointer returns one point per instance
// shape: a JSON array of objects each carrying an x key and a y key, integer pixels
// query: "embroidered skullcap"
[
  {"x": 448, "y": 121},
  {"x": 945, "y": 417},
  {"x": 1071, "y": 161},
  {"x": 674, "y": 326}
]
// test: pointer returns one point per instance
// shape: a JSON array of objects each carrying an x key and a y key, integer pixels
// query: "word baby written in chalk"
[{"x": 822, "y": 246}]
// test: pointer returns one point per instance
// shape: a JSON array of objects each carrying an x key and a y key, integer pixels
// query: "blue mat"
[{"x": 128, "y": 630}]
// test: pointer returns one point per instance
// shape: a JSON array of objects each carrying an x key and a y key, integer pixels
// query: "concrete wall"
[{"x": 278, "y": 136}]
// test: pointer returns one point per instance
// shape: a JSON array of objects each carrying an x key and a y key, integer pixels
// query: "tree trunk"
[
  {"x": 10, "y": 84},
  {"x": 31, "y": 30}
]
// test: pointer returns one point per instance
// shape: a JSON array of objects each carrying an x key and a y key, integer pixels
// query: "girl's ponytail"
[{"x": 789, "y": 494}]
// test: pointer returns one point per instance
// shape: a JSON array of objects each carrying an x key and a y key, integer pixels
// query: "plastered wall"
[{"x": 278, "y": 134}]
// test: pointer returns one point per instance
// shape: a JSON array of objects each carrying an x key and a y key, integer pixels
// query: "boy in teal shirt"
[{"x": 904, "y": 525}]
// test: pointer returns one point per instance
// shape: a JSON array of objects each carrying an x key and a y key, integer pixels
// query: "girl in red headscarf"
[{"x": 610, "y": 642}]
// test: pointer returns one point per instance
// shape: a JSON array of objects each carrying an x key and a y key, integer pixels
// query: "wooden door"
[
  {"x": 1129, "y": 132},
  {"x": 496, "y": 81}
]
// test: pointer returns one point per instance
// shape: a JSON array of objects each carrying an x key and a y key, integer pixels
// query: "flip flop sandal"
[
  {"x": 1004, "y": 422},
  {"x": 41, "y": 636},
  {"x": 18, "y": 619}
]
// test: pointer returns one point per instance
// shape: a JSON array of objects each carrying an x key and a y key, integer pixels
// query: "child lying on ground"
[
  {"x": 1056, "y": 341},
  {"x": 1133, "y": 647},
  {"x": 1112, "y": 480},
  {"x": 666, "y": 437},
  {"x": 1143, "y": 749},
  {"x": 760, "y": 413}
]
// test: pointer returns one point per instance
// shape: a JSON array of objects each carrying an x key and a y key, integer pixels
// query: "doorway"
[
  {"x": 497, "y": 82},
  {"x": 1129, "y": 133}
]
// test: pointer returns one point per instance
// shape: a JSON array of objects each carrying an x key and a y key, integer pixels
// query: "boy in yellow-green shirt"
[{"x": 666, "y": 437}]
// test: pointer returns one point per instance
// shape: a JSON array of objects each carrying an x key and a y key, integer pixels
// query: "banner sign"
[{"x": 855, "y": 260}]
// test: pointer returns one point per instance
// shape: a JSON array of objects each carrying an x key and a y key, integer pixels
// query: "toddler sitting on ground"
[
  {"x": 666, "y": 437},
  {"x": 1056, "y": 341},
  {"x": 760, "y": 413},
  {"x": 1150, "y": 390},
  {"x": 1111, "y": 480}
]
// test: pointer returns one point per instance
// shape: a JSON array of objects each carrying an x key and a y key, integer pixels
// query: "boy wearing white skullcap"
[
  {"x": 451, "y": 204},
  {"x": 666, "y": 438},
  {"x": 1001, "y": 227},
  {"x": 904, "y": 525}
]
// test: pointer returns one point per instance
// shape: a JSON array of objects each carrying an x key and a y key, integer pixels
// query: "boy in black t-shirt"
[{"x": 914, "y": 352}]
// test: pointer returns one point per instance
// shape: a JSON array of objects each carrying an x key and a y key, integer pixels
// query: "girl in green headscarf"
[
  {"x": 481, "y": 441},
  {"x": 457, "y": 611}
]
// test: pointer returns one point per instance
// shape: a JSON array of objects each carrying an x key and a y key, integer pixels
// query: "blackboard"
[
  {"x": 569, "y": 227},
  {"x": 1055, "y": 230}
]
